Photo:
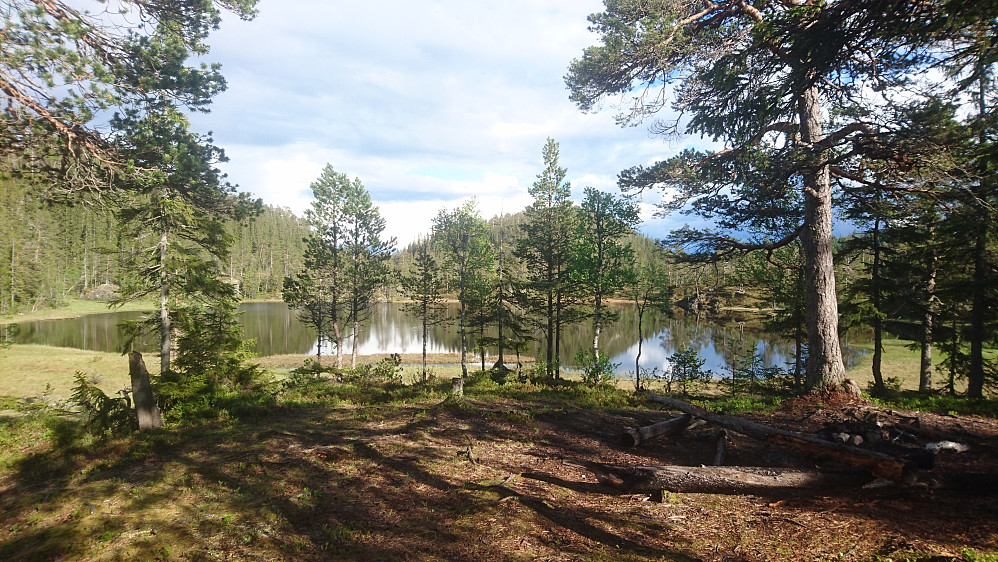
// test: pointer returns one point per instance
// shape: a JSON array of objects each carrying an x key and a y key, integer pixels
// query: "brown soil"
[{"x": 479, "y": 480}]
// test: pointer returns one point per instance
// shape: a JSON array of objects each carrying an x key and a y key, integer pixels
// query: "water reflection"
[{"x": 277, "y": 330}]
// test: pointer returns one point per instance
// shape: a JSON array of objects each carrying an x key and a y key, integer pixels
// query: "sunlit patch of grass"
[
  {"x": 47, "y": 372},
  {"x": 902, "y": 363},
  {"x": 74, "y": 308}
]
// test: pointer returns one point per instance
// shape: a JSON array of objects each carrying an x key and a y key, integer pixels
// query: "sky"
[{"x": 428, "y": 103}]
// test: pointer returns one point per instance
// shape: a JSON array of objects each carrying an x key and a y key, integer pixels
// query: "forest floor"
[{"x": 343, "y": 472}]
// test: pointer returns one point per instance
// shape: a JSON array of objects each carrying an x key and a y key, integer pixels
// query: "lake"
[{"x": 277, "y": 331}]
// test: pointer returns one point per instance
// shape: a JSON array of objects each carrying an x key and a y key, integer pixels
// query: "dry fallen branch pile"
[{"x": 865, "y": 448}]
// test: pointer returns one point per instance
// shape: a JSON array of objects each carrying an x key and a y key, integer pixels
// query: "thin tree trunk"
[
  {"x": 925, "y": 364},
  {"x": 339, "y": 344},
  {"x": 824, "y": 362},
  {"x": 975, "y": 372},
  {"x": 464, "y": 333},
  {"x": 637, "y": 358},
  {"x": 425, "y": 312},
  {"x": 557, "y": 339},
  {"x": 165, "y": 340},
  {"x": 878, "y": 322},
  {"x": 597, "y": 321},
  {"x": 353, "y": 353}
]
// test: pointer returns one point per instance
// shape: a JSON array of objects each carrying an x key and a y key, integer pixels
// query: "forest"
[{"x": 876, "y": 116}]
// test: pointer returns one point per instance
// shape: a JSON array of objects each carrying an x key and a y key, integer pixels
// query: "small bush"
[
  {"x": 686, "y": 368},
  {"x": 388, "y": 369},
  {"x": 596, "y": 370},
  {"x": 106, "y": 416}
]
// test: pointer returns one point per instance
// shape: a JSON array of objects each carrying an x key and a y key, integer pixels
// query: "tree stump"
[
  {"x": 457, "y": 387},
  {"x": 145, "y": 402}
]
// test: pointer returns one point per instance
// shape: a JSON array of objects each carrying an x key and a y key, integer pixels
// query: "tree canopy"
[
  {"x": 66, "y": 70},
  {"x": 765, "y": 78}
]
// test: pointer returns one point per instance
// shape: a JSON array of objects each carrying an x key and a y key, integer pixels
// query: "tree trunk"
[
  {"x": 824, "y": 362},
  {"x": 636, "y": 436},
  {"x": 353, "y": 352},
  {"x": 165, "y": 336},
  {"x": 720, "y": 479},
  {"x": 877, "y": 464},
  {"x": 425, "y": 312},
  {"x": 975, "y": 371},
  {"x": 549, "y": 355},
  {"x": 339, "y": 344},
  {"x": 464, "y": 332},
  {"x": 879, "y": 389},
  {"x": 925, "y": 363},
  {"x": 597, "y": 325},
  {"x": 557, "y": 336},
  {"x": 637, "y": 357},
  {"x": 145, "y": 403}
]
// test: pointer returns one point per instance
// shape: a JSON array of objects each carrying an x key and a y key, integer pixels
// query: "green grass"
[
  {"x": 46, "y": 371},
  {"x": 73, "y": 308},
  {"x": 900, "y": 362}
]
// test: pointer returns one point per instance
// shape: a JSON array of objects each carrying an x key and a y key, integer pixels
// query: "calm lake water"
[{"x": 277, "y": 331}]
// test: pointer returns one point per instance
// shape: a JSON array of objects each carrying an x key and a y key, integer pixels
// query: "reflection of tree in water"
[{"x": 277, "y": 331}]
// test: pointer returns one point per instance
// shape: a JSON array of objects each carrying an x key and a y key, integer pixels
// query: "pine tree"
[
  {"x": 545, "y": 247},
  {"x": 423, "y": 284},
  {"x": 759, "y": 76},
  {"x": 463, "y": 237},
  {"x": 602, "y": 263}
]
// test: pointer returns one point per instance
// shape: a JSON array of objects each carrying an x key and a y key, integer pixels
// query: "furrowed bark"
[{"x": 824, "y": 362}]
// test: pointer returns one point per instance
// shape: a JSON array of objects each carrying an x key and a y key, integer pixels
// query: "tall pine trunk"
[
  {"x": 824, "y": 360},
  {"x": 878, "y": 321},
  {"x": 925, "y": 363},
  {"x": 464, "y": 331}
]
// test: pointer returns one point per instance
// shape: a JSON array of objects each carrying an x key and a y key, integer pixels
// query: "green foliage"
[
  {"x": 972, "y": 555},
  {"x": 545, "y": 249},
  {"x": 67, "y": 69},
  {"x": 105, "y": 416},
  {"x": 212, "y": 377},
  {"x": 939, "y": 404},
  {"x": 741, "y": 404},
  {"x": 424, "y": 285},
  {"x": 462, "y": 234},
  {"x": 596, "y": 370},
  {"x": 749, "y": 373},
  {"x": 686, "y": 368},
  {"x": 345, "y": 258},
  {"x": 388, "y": 369}
]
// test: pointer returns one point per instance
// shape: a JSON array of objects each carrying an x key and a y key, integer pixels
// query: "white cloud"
[{"x": 427, "y": 103}]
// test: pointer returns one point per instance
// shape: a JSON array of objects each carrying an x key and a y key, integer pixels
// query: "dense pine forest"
[{"x": 56, "y": 251}]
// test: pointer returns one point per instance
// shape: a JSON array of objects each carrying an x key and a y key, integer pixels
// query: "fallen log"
[
  {"x": 878, "y": 464},
  {"x": 721, "y": 479},
  {"x": 637, "y": 436}
]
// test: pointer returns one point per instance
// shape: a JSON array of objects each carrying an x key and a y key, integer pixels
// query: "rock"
[
  {"x": 104, "y": 293},
  {"x": 856, "y": 440},
  {"x": 946, "y": 446}
]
